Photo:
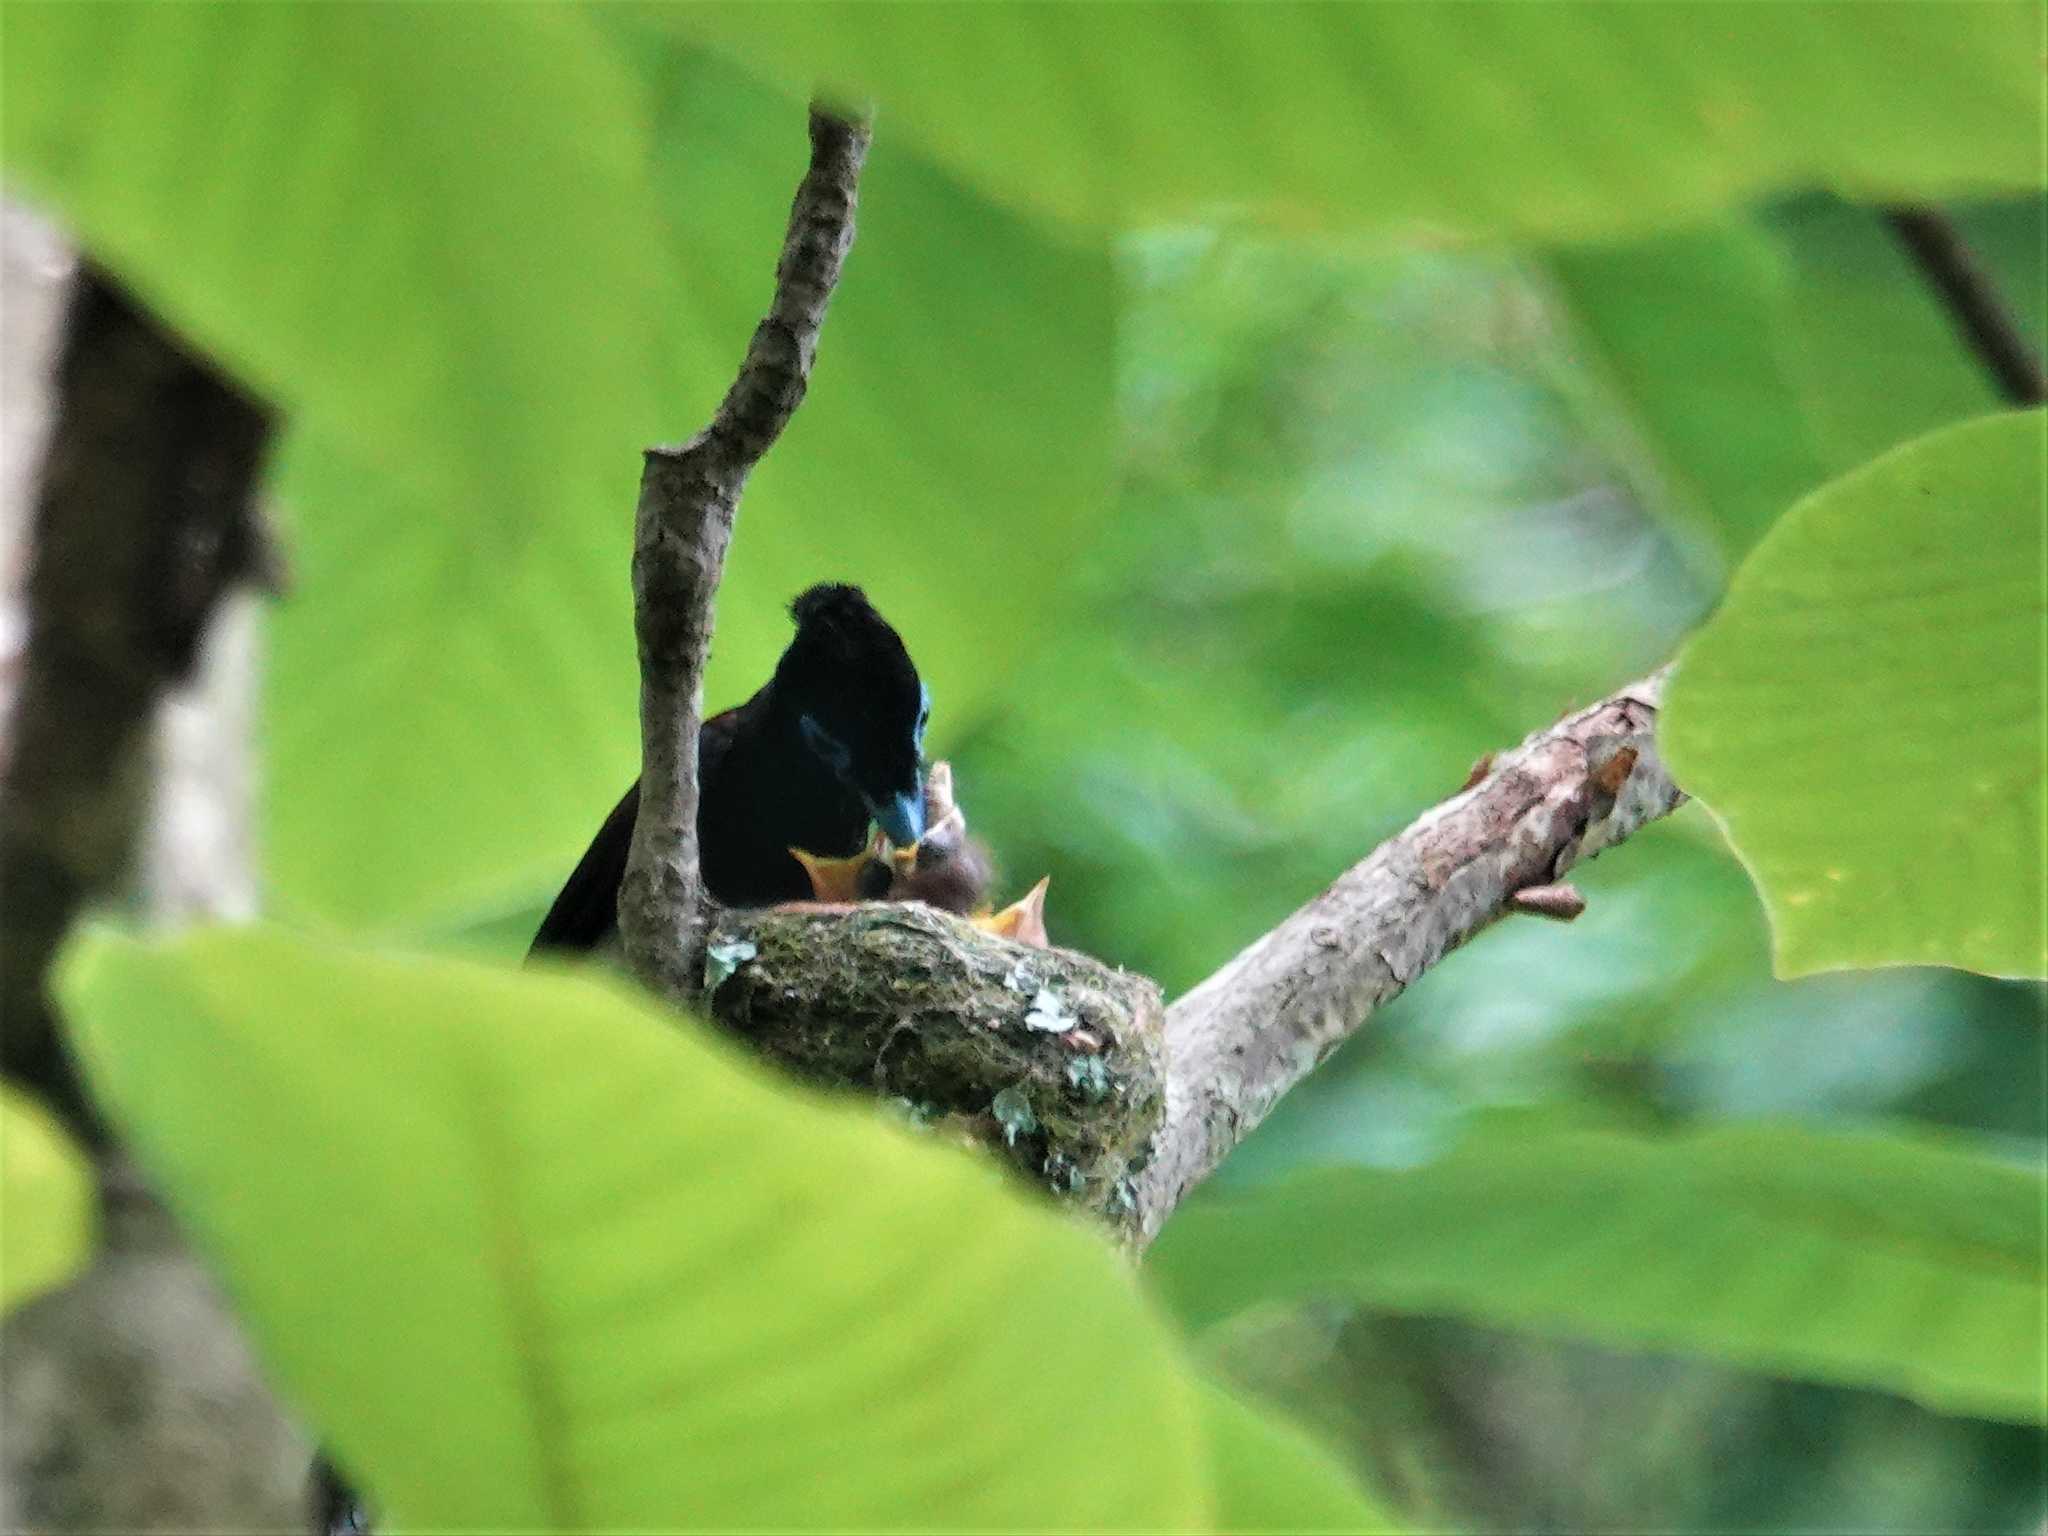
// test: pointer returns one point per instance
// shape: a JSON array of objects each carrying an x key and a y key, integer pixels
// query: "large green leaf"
[
  {"x": 46, "y": 1201},
  {"x": 1690, "y": 332},
  {"x": 452, "y": 718},
  {"x": 1873, "y": 352},
  {"x": 1865, "y": 712},
  {"x": 534, "y": 1256},
  {"x": 1903, "y": 1261},
  {"x": 1541, "y": 121},
  {"x": 426, "y": 230},
  {"x": 1754, "y": 358},
  {"x": 443, "y": 731},
  {"x": 1271, "y": 1477}
]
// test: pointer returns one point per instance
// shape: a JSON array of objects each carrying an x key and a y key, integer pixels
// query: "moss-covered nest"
[{"x": 1050, "y": 1056}]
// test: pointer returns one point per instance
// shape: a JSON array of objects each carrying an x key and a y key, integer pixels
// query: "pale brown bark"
[
  {"x": 688, "y": 498},
  {"x": 1263, "y": 1022}
]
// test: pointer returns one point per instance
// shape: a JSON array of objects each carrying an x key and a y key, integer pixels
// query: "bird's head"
[{"x": 858, "y": 703}]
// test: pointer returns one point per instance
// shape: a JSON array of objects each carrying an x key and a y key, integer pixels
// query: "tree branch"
[
  {"x": 130, "y": 1395},
  {"x": 682, "y": 527},
  {"x": 1125, "y": 1110},
  {"x": 1973, "y": 302},
  {"x": 1240, "y": 1040},
  {"x": 144, "y": 516}
]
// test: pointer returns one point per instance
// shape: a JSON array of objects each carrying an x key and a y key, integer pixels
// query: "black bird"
[{"x": 829, "y": 743}]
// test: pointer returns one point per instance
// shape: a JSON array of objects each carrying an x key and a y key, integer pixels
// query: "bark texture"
[
  {"x": 132, "y": 1400},
  {"x": 129, "y": 1397},
  {"x": 682, "y": 527},
  {"x": 1262, "y": 1023},
  {"x": 144, "y": 516}
]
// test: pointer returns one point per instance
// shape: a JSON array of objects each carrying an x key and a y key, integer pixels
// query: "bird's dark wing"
[
  {"x": 586, "y": 913},
  {"x": 716, "y": 739}
]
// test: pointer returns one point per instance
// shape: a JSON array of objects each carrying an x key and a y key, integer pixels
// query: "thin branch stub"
[{"x": 1561, "y": 903}]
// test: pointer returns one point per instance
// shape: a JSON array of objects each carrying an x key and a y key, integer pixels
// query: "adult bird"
[{"x": 829, "y": 743}]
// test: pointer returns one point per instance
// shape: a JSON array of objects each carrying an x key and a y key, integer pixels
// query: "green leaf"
[
  {"x": 1270, "y": 1476},
  {"x": 1690, "y": 333},
  {"x": 1903, "y": 1261},
  {"x": 1755, "y": 358},
  {"x": 2009, "y": 239},
  {"x": 1529, "y": 122},
  {"x": 46, "y": 1196},
  {"x": 1864, "y": 714},
  {"x": 532, "y": 1255},
  {"x": 949, "y": 456},
  {"x": 1873, "y": 352},
  {"x": 376, "y": 215}
]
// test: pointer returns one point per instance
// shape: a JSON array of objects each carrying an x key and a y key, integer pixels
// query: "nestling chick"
[
  {"x": 864, "y": 877},
  {"x": 945, "y": 868},
  {"x": 1022, "y": 920}
]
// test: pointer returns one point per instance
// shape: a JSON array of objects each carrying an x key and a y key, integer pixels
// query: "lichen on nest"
[{"x": 1048, "y": 1056}]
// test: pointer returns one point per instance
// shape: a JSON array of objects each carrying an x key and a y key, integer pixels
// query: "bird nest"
[{"x": 1050, "y": 1057}]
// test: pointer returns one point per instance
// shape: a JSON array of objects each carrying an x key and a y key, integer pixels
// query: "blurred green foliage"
[
  {"x": 1818, "y": 1253},
  {"x": 339, "y": 203},
  {"x": 1748, "y": 360},
  {"x": 1231, "y": 410},
  {"x": 1570, "y": 120},
  {"x": 1269, "y": 1476}
]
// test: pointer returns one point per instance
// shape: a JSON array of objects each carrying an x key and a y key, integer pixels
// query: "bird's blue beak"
[{"x": 902, "y": 818}]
